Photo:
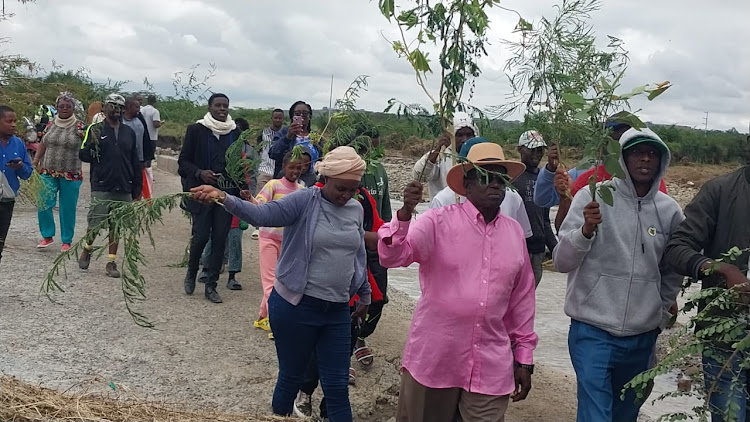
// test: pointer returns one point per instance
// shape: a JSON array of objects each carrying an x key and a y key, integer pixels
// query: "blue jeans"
[
  {"x": 731, "y": 386},
  {"x": 314, "y": 325},
  {"x": 604, "y": 364}
]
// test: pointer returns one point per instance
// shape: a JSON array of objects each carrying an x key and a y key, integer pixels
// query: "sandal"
[
  {"x": 255, "y": 235},
  {"x": 352, "y": 376},
  {"x": 364, "y": 356}
]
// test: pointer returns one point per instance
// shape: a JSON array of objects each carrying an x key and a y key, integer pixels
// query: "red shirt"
[{"x": 583, "y": 179}]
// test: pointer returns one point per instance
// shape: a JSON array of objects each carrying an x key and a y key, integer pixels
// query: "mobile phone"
[{"x": 297, "y": 119}]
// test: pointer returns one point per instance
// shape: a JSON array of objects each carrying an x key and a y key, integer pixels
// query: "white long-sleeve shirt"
[{"x": 434, "y": 173}]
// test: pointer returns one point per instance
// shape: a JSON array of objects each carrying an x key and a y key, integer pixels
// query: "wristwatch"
[{"x": 529, "y": 368}]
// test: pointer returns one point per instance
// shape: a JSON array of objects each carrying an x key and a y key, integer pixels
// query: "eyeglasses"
[
  {"x": 302, "y": 113},
  {"x": 64, "y": 107},
  {"x": 486, "y": 178}
]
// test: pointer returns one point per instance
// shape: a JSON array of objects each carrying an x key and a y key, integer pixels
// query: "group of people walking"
[
  {"x": 327, "y": 235},
  {"x": 119, "y": 145},
  {"x": 480, "y": 248}
]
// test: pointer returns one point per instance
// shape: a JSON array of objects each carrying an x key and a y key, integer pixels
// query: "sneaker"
[
  {"x": 85, "y": 259},
  {"x": 65, "y": 247},
  {"x": 264, "y": 324},
  {"x": 111, "y": 270},
  {"x": 45, "y": 243},
  {"x": 303, "y": 405}
]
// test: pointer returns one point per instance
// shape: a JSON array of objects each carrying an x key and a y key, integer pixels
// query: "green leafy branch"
[
  {"x": 559, "y": 72},
  {"x": 721, "y": 322},
  {"x": 459, "y": 29},
  {"x": 127, "y": 223},
  {"x": 35, "y": 191}
]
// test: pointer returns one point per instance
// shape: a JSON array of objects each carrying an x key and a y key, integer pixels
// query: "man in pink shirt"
[{"x": 471, "y": 341}]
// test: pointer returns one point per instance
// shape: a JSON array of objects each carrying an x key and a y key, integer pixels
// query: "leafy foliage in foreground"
[{"x": 127, "y": 223}]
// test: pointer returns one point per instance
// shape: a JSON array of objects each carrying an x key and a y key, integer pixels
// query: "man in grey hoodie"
[{"x": 619, "y": 287}]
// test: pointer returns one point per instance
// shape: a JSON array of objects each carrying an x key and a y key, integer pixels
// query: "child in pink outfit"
[{"x": 270, "y": 237}]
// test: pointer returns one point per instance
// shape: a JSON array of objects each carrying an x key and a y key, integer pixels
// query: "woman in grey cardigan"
[{"x": 323, "y": 264}]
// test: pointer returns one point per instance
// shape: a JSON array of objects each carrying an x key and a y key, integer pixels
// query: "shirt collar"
[{"x": 474, "y": 215}]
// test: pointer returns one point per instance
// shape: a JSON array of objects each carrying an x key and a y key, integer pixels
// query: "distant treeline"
[{"x": 399, "y": 132}]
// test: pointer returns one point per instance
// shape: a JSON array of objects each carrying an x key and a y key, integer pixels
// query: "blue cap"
[
  {"x": 470, "y": 143},
  {"x": 611, "y": 124}
]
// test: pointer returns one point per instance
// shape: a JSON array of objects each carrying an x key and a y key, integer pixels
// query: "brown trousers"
[{"x": 417, "y": 403}]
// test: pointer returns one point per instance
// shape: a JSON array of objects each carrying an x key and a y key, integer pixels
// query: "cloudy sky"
[{"x": 271, "y": 53}]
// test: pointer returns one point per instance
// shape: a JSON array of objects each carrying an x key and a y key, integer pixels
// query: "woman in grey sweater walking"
[{"x": 322, "y": 265}]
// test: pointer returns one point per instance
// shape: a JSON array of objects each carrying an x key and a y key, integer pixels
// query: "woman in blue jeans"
[{"x": 323, "y": 264}]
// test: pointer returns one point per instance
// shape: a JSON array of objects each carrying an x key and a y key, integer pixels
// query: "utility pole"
[{"x": 705, "y": 125}]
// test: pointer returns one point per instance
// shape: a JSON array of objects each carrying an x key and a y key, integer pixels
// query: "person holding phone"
[
  {"x": 14, "y": 164},
  {"x": 298, "y": 133}
]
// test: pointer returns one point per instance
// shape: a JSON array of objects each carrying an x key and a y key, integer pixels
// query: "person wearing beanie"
[
  {"x": 321, "y": 267},
  {"x": 116, "y": 175}
]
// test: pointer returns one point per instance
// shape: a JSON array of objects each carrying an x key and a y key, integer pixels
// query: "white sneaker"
[{"x": 303, "y": 405}]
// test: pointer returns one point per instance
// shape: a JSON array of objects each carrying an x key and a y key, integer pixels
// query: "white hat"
[
  {"x": 462, "y": 120},
  {"x": 531, "y": 139},
  {"x": 116, "y": 99}
]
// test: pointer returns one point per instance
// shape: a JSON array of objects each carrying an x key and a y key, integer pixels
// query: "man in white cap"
[
  {"x": 116, "y": 174},
  {"x": 470, "y": 346},
  {"x": 433, "y": 167},
  {"x": 531, "y": 146}
]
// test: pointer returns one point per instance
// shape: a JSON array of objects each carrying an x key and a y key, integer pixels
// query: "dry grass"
[
  {"x": 21, "y": 402},
  {"x": 698, "y": 173}
]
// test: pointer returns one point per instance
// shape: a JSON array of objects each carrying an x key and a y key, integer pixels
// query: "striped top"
[
  {"x": 272, "y": 191},
  {"x": 267, "y": 165}
]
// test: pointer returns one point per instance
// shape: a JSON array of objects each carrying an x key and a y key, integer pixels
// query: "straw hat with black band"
[{"x": 482, "y": 154}]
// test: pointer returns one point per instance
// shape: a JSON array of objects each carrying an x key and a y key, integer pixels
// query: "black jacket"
[
  {"x": 115, "y": 166},
  {"x": 715, "y": 221},
  {"x": 202, "y": 151}
]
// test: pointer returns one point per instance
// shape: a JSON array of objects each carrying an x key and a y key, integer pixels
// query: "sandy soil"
[{"x": 201, "y": 354}]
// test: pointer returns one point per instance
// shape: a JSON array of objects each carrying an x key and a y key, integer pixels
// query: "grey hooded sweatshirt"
[{"x": 618, "y": 280}]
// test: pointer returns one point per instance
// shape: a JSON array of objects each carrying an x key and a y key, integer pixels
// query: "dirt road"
[{"x": 201, "y": 354}]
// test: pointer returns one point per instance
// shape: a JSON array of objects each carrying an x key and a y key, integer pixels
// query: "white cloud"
[{"x": 271, "y": 53}]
